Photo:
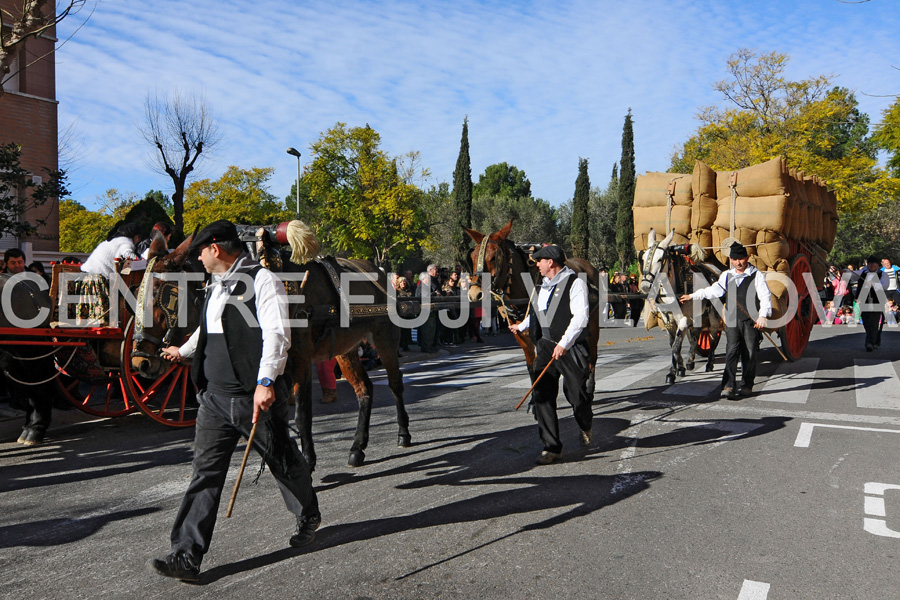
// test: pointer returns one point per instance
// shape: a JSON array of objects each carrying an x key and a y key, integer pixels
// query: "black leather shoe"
[
  {"x": 305, "y": 533},
  {"x": 746, "y": 391},
  {"x": 177, "y": 566},
  {"x": 728, "y": 393}
]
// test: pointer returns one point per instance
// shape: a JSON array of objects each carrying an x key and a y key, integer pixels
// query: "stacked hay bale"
[
  {"x": 662, "y": 201},
  {"x": 766, "y": 207}
]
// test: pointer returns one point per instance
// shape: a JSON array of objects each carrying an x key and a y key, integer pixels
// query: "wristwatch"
[{"x": 265, "y": 382}]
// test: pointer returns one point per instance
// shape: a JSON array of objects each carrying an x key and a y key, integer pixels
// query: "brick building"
[{"x": 28, "y": 117}]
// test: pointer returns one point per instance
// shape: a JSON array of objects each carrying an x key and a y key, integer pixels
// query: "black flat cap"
[
  {"x": 217, "y": 231},
  {"x": 738, "y": 251},
  {"x": 553, "y": 252}
]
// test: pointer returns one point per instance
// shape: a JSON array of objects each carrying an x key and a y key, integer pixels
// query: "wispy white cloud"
[{"x": 543, "y": 83}]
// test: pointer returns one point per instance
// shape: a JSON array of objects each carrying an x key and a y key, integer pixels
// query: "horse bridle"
[
  {"x": 498, "y": 285},
  {"x": 165, "y": 297}
]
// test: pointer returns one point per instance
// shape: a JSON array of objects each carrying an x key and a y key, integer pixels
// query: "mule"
[
  {"x": 506, "y": 262},
  {"x": 673, "y": 262},
  {"x": 322, "y": 338}
]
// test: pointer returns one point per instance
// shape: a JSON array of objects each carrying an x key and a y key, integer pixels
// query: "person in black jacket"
[
  {"x": 558, "y": 325},
  {"x": 868, "y": 290},
  {"x": 237, "y": 366}
]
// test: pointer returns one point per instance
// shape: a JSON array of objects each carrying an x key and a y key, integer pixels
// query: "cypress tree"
[
  {"x": 580, "y": 236},
  {"x": 462, "y": 197},
  {"x": 624, "y": 216}
]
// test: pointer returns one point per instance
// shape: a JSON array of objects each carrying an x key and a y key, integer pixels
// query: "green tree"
[
  {"x": 887, "y": 136},
  {"x": 462, "y": 196},
  {"x": 239, "y": 195},
  {"x": 625, "y": 189},
  {"x": 580, "y": 236},
  {"x": 603, "y": 209},
  {"x": 19, "y": 193},
  {"x": 443, "y": 227},
  {"x": 534, "y": 220},
  {"x": 817, "y": 128},
  {"x": 502, "y": 179},
  {"x": 80, "y": 229},
  {"x": 365, "y": 205}
]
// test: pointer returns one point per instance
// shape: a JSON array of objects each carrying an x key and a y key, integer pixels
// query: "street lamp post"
[{"x": 295, "y": 152}]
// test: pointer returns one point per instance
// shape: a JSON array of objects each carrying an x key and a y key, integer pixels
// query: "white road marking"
[
  {"x": 754, "y": 590},
  {"x": 461, "y": 370},
  {"x": 874, "y": 507},
  {"x": 877, "y": 384},
  {"x": 631, "y": 375},
  {"x": 791, "y": 382},
  {"x": 524, "y": 384},
  {"x": 699, "y": 385},
  {"x": 806, "y": 429}
]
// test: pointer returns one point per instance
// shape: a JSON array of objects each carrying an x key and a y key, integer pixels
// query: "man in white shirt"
[
  {"x": 742, "y": 283},
  {"x": 240, "y": 352},
  {"x": 557, "y": 325}
]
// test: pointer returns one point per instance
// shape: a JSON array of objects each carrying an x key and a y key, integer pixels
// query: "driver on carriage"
[
  {"x": 741, "y": 332},
  {"x": 93, "y": 291}
]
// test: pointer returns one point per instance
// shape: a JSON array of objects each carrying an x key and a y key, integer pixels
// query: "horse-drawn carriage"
[
  {"x": 787, "y": 221},
  {"x": 115, "y": 368},
  {"x": 93, "y": 358}
]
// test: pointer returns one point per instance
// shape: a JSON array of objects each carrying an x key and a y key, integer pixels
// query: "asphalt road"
[{"x": 794, "y": 493}]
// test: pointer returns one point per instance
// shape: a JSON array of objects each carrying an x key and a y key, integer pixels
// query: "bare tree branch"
[{"x": 181, "y": 129}]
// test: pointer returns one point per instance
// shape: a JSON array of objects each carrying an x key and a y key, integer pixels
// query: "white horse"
[{"x": 668, "y": 271}]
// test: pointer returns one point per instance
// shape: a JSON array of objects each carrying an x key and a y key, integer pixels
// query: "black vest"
[
  {"x": 561, "y": 318},
  {"x": 743, "y": 313},
  {"x": 243, "y": 343},
  {"x": 871, "y": 297}
]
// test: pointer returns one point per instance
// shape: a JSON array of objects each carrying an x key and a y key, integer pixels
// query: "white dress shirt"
[
  {"x": 271, "y": 311},
  {"x": 578, "y": 305},
  {"x": 720, "y": 288},
  {"x": 102, "y": 260}
]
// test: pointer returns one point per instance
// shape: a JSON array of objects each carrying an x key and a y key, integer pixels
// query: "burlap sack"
[
  {"x": 764, "y": 212},
  {"x": 651, "y": 189},
  {"x": 648, "y": 217},
  {"x": 703, "y": 186},
  {"x": 702, "y": 237},
  {"x": 765, "y": 179},
  {"x": 744, "y": 235},
  {"x": 772, "y": 247},
  {"x": 819, "y": 267}
]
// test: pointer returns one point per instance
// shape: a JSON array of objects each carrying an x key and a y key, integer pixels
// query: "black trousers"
[
  {"x": 574, "y": 369},
  {"x": 742, "y": 342},
  {"x": 871, "y": 320},
  {"x": 221, "y": 421}
]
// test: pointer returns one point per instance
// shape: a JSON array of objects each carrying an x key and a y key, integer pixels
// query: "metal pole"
[
  {"x": 295, "y": 152},
  {"x": 298, "y": 185}
]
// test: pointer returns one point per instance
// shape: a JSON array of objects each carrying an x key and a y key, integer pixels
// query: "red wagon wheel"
[
  {"x": 795, "y": 335},
  {"x": 102, "y": 397},
  {"x": 170, "y": 399}
]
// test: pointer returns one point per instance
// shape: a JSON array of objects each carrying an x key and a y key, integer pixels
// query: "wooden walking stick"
[
  {"x": 765, "y": 333},
  {"x": 552, "y": 358},
  {"x": 241, "y": 472}
]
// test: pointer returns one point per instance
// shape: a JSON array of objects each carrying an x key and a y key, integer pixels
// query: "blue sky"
[{"x": 542, "y": 82}]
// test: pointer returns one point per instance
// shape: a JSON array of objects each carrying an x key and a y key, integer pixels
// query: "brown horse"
[
  {"x": 506, "y": 262},
  {"x": 322, "y": 338}
]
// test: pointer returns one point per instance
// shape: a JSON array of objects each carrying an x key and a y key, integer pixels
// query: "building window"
[{"x": 11, "y": 79}]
